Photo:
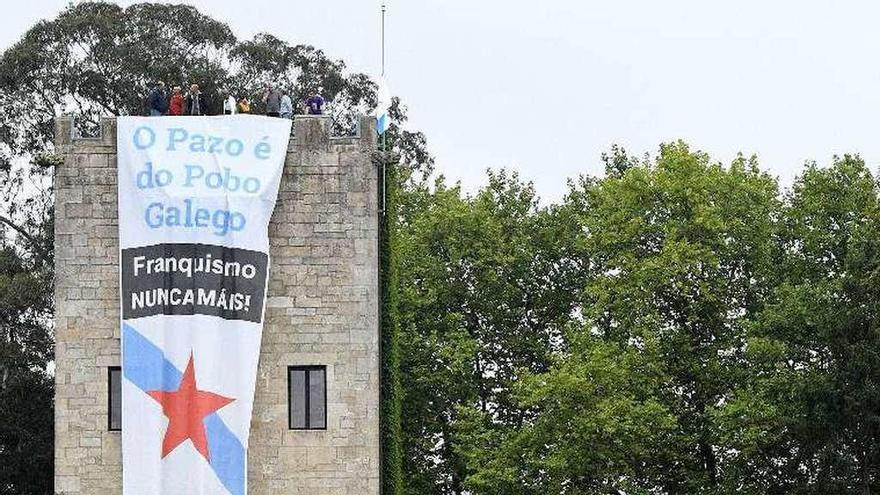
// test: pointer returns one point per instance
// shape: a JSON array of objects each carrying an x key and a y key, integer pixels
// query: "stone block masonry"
[{"x": 321, "y": 309}]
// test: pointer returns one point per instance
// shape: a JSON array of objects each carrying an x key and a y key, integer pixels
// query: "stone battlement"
[{"x": 307, "y": 132}]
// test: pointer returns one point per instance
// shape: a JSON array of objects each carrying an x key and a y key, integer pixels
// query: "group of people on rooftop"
[{"x": 277, "y": 102}]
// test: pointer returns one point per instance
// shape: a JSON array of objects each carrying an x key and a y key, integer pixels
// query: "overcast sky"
[{"x": 545, "y": 87}]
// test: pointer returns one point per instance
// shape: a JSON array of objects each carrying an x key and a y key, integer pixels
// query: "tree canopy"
[{"x": 679, "y": 326}]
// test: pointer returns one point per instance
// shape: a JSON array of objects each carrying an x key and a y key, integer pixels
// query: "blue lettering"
[
  {"x": 153, "y": 221},
  {"x": 251, "y": 185},
  {"x": 144, "y": 178},
  {"x": 191, "y": 171},
  {"x": 234, "y": 147},
  {"x": 202, "y": 217},
  {"x": 197, "y": 143},
  {"x": 225, "y": 179},
  {"x": 190, "y": 216},
  {"x": 176, "y": 135},
  {"x": 263, "y": 150},
  {"x": 163, "y": 177},
  {"x": 138, "y": 143}
]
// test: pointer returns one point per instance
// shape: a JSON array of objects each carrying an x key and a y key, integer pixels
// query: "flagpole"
[{"x": 384, "y": 150}]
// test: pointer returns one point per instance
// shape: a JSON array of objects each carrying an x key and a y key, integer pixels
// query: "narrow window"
[
  {"x": 114, "y": 398},
  {"x": 307, "y": 397}
]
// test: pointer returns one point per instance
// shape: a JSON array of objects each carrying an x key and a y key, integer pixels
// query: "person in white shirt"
[
  {"x": 229, "y": 105},
  {"x": 286, "y": 105}
]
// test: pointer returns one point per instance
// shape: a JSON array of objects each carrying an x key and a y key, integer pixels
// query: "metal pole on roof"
[{"x": 384, "y": 150}]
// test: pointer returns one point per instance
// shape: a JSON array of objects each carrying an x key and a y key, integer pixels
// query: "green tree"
[
  {"x": 807, "y": 419},
  {"x": 486, "y": 286},
  {"x": 677, "y": 256},
  {"x": 682, "y": 251},
  {"x": 26, "y": 387},
  {"x": 98, "y": 59},
  {"x": 593, "y": 424}
]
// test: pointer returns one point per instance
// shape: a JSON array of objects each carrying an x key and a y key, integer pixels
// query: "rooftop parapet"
[{"x": 308, "y": 133}]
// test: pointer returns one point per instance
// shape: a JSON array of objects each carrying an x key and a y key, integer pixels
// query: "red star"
[{"x": 186, "y": 409}]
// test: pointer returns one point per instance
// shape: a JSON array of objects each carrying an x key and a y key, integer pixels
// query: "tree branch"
[{"x": 39, "y": 251}]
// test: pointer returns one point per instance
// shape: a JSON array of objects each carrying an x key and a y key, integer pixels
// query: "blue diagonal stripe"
[
  {"x": 227, "y": 455},
  {"x": 145, "y": 366}
]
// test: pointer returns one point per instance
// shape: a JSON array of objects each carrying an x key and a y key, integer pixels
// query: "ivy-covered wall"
[{"x": 391, "y": 394}]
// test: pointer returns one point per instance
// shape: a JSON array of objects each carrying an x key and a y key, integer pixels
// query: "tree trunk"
[{"x": 710, "y": 464}]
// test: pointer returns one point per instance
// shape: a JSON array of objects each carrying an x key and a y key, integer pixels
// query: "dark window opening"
[
  {"x": 307, "y": 397},
  {"x": 114, "y": 398}
]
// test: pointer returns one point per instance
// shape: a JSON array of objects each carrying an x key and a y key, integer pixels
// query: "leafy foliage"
[
  {"x": 692, "y": 331},
  {"x": 487, "y": 284},
  {"x": 26, "y": 387},
  {"x": 809, "y": 407}
]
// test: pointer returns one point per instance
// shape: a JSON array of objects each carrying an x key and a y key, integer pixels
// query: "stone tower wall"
[{"x": 321, "y": 309}]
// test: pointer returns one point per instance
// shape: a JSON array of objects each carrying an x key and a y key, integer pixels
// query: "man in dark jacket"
[
  {"x": 272, "y": 99},
  {"x": 158, "y": 100},
  {"x": 195, "y": 103}
]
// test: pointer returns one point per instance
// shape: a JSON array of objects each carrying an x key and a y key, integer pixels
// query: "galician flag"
[{"x": 383, "y": 106}]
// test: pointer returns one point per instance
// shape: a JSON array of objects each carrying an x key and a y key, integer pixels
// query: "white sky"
[{"x": 545, "y": 87}]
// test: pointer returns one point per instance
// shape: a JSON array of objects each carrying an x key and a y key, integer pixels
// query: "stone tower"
[{"x": 322, "y": 310}]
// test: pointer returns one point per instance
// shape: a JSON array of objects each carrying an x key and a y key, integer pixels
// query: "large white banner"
[{"x": 195, "y": 198}]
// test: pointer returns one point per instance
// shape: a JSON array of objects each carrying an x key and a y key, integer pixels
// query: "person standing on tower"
[
  {"x": 194, "y": 102},
  {"x": 315, "y": 103},
  {"x": 158, "y": 100},
  {"x": 272, "y": 99},
  {"x": 176, "y": 105},
  {"x": 286, "y": 105},
  {"x": 244, "y": 105},
  {"x": 229, "y": 105}
]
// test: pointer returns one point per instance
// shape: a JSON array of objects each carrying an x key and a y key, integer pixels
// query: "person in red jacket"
[{"x": 176, "y": 105}]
